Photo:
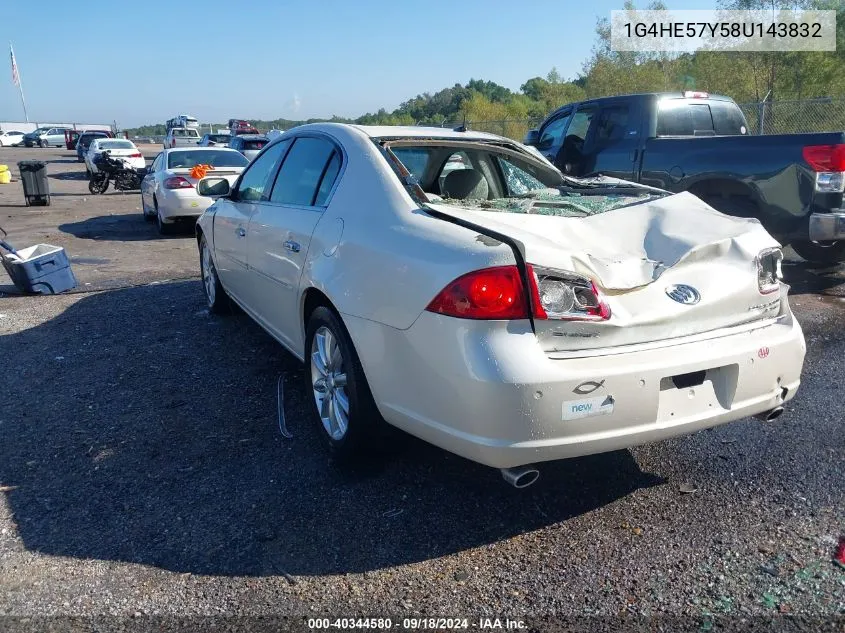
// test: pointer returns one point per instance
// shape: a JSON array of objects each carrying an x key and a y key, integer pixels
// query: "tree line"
[{"x": 744, "y": 76}]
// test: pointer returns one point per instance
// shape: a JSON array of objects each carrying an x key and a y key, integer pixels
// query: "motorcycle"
[{"x": 110, "y": 169}]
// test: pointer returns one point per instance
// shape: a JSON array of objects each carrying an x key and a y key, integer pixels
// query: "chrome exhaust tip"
[
  {"x": 768, "y": 416},
  {"x": 520, "y": 476}
]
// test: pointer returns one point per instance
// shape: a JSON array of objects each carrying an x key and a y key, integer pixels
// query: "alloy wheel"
[
  {"x": 209, "y": 275},
  {"x": 328, "y": 380}
]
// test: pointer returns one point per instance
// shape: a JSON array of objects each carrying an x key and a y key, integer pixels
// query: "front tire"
[
  {"x": 830, "y": 253},
  {"x": 342, "y": 404},
  {"x": 215, "y": 296},
  {"x": 44, "y": 144},
  {"x": 99, "y": 183}
]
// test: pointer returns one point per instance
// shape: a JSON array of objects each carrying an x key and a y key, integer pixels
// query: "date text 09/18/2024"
[{"x": 482, "y": 623}]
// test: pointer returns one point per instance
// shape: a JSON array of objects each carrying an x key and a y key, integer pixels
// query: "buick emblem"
[{"x": 683, "y": 294}]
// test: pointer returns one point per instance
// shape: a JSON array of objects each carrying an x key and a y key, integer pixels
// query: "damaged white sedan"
[{"x": 457, "y": 286}]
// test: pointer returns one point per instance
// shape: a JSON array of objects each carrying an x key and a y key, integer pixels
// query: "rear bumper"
[
  {"x": 488, "y": 392},
  {"x": 826, "y": 227},
  {"x": 185, "y": 203}
]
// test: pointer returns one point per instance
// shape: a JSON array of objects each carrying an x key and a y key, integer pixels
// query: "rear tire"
[
  {"x": 163, "y": 228},
  {"x": 830, "y": 253},
  {"x": 148, "y": 217},
  {"x": 215, "y": 296},
  {"x": 341, "y": 402}
]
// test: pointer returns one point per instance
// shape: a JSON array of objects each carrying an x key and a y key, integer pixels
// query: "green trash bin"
[{"x": 36, "y": 187}]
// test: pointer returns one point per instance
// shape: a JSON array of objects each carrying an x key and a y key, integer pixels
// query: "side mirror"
[
  {"x": 532, "y": 138},
  {"x": 213, "y": 187}
]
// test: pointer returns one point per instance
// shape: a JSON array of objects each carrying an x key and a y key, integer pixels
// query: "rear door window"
[
  {"x": 328, "y": 180},
  {"x": 301, "y": 173},
  {"x": 612, "y": 125}
]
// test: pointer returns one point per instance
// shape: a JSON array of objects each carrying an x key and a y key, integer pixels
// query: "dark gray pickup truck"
[{"x": 697, "y": 142}]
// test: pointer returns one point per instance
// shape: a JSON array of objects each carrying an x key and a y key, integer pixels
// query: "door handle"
[
  {"x": 241, "y": 231},
  {"x": 292, "y": 246}
]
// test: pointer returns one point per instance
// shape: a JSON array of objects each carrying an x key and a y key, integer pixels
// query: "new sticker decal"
[{"x": 587, "y": 407}]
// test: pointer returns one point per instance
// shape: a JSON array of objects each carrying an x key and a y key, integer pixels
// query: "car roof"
[
  {"x": 378, "y": 132},
  {"x": 421, "y": 131},
  {"x": 198, "y": 148}
]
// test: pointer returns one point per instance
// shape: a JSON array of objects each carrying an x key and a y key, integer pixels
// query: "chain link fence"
[{"x": 792, "y": 117}]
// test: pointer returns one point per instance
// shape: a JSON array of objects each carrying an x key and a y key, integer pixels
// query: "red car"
[
  {"x": 72, "y": 136},
  {"x": 240, "y": 126}
]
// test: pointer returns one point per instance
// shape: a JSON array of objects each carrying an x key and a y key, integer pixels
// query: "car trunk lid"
[{"x": 635, "y": 255}]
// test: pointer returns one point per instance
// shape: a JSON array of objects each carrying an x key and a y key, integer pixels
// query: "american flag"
[{"x": 16, "y": 78}]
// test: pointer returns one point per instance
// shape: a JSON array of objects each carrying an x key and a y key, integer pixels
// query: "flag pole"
[{"x": 16, "y": 78}]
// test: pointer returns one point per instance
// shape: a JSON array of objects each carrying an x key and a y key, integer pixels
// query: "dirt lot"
[{"x": 142, "y": 470}]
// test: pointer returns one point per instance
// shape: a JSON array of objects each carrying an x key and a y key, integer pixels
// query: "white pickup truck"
[{"x": 181, "y": 137}]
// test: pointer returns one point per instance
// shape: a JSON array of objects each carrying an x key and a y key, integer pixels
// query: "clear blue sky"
[{"x": 143, "y": 62}]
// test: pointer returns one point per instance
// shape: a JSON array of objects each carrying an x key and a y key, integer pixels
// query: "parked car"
[
  {"x": 240, "y": 126},
  {"x": 11, "y": 138},
  {"x": 168, "y": 195},
  {"x": 249, "y": 144},
  {"x": 84, "y": 141},
  {"x": 46, "y": 137},
  {"x": 213, "y": 140},
  {"x": 182, "y": 120},
  {"x": 697, "y": 142},
  {"x": 507, "y": 313},
  {"x": 181, "y": 137},
  {"x": 117, "y": 148}
]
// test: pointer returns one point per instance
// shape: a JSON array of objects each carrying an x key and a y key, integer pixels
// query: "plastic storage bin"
[
  {"x": 36, "y": 187},
  {"x": 41, "y": 269}
]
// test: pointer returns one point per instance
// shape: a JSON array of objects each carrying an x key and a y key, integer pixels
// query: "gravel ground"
[{"x": 142, "y": 472}]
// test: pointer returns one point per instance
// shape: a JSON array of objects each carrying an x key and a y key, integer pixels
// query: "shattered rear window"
[
  {"x": 497, "y": 180},
  {"x": 554, "y": 202}
]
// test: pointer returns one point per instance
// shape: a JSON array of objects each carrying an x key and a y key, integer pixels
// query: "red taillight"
[
  {"x": 490, "y": 293},
  {"x": 177, "y": 182},
  {"x": 693, "y": 94},
  {"x": 135, "y": 155},
  {"x": 825, "y": 158}
]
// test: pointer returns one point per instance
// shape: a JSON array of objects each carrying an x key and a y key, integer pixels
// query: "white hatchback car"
[
  {"x": 168, "y": 195},
  {"x": 504, "y": 312}
]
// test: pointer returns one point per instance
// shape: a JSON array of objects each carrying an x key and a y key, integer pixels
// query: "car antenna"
[{"x": 463, "y": 126}]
